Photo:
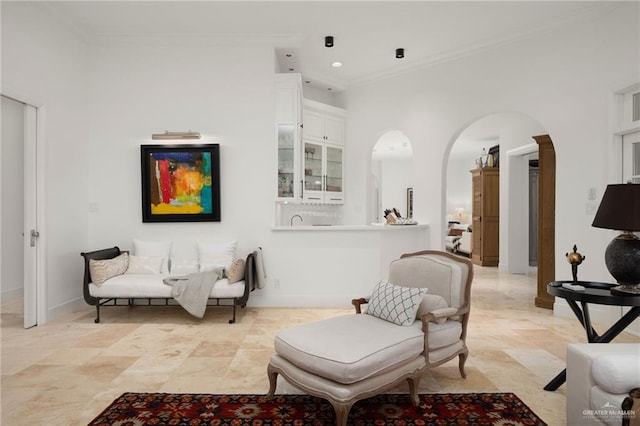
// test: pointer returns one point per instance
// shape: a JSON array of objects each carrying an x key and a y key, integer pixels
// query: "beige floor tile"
[{"x": 67, "y": 372}]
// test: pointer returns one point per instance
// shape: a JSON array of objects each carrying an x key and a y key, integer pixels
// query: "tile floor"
[{"x": 66, "y": 372}]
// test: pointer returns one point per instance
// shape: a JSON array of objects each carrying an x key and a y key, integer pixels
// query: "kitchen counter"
[
  {"x": 332, "y": 228},
  {"x": 330, "y": 265}
]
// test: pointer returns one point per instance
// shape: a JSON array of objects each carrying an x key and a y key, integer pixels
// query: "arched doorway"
[{"x": 509, "y": 132}]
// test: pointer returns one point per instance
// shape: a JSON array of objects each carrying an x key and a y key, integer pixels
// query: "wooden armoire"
[{"x": 485, "y": 215}]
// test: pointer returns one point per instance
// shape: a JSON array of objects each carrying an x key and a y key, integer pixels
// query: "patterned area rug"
[{"x": 137, "y": 409}]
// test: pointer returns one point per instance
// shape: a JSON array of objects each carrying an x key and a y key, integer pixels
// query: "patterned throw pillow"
[
  {"x": 235, "y": 272},
  {"x": 395, "y": 303},
  {"x": 102, "y": 270}
]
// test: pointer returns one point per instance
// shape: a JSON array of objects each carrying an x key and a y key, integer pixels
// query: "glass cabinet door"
[
  {"x": 312, "y": 167},
  {"x": 334, "y": 170},
  {"x": 286, "y": 163}
]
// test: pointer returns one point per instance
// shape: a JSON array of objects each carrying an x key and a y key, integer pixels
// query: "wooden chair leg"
[
  {"x": 413, "y": 389},
  {"x": 273, "y": 380},
  {"x": 461, "y": 361},
  {"x": 342, "y": 412}
]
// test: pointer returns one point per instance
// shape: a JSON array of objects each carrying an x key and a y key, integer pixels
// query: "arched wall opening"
[
  {"x": 391, "y": 175},
  {"x": 515, "y": 136}
]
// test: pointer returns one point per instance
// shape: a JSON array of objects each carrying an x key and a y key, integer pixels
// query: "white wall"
[
  {"x": 12, "y": 211},
  {"x": 562, "y": 79},
  {"x": 224, "y": 92},
  {"x": 459, "y": 188},
  {"x": 46, "y": 64},
  {"x": 396, "y": 176}
]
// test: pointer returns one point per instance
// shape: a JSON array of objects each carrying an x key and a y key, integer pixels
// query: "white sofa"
[
  {"x": 465, "y": 243},
  {"x": 599, "y": 377},
  {"x": 458, "y": 239},
  {"x": 133, "y": 287}
]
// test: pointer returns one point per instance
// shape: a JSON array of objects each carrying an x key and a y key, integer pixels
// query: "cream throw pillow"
[
  {"x": 235, "y": 272},
  {"x": 183, "y": 266},
  {"x": 154, "y": 248},
  {"x": 102, "y": 270},
  {"x": 144, "y": 265},
  {"x": 215, "y": 255}
]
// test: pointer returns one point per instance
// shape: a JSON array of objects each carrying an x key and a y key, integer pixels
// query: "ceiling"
[{"x": 366, "y": 33}]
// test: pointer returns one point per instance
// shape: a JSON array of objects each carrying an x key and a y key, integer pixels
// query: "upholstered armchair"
[{"x": 415, "y": 320}]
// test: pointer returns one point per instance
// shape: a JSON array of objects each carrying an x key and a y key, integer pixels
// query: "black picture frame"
[{"x": 180, "y": 183}]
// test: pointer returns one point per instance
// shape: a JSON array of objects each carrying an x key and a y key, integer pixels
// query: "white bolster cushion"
[
  {"x": 616, "y": 373},
  {"x": 442, "y": 314},
  {"x": 429, "y": 303}
]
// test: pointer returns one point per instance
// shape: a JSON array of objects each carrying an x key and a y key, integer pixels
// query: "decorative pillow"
[
  {"x": 213, "y": 255},
  {"x": 393, "y": 303},
  {"x": 236, "y": 272},
  {"x": 144, "y": 265},
  {"x": 210, "y": 263},
  {"x": 183, "y": 266},
  {"x": 154, "y": 248},
  {"x": 261, "y": 273},
  {"x": 429, "y": 303},
  {"x": 102, "y": 270}
]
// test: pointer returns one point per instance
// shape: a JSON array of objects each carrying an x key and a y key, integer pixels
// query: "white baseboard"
[
  {"x": 13, "y": 294},
  {"x": 63, "y": 309}
]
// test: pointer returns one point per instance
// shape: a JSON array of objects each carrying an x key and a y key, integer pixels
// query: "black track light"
[
  {"x": 400, "y": 53},
  {"x": 328, "y": 41}
]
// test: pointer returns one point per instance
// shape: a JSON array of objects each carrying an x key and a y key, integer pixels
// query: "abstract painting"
[{"x": 180, "y": 183}]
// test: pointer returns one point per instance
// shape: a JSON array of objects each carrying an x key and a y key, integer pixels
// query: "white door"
[
  {"x": 19, "y": 257},
  {"x": 30, "y": 218}
]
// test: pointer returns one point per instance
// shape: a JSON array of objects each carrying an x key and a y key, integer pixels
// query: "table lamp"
[{"x": 620, "y": 210}]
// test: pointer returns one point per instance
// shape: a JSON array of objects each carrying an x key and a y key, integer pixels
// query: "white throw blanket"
[{"x": 192, "y": 291}]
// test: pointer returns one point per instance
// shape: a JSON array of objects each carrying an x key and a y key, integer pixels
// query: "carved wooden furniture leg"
[
  {"x": 273, "y": 380},
  {"x": 461, "y": 360},
  {"x": 413, "y": 389},
  {"x": 342, "y": 412}
]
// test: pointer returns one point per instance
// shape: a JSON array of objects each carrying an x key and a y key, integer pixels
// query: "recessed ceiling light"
[
  {"x": 291, "y": 69},
  {"x": 288, "y": 55},
  {"x": 336, "y": 64},
  {"x": 400, "y": 53},
  {"x": 328, "y": 41}
]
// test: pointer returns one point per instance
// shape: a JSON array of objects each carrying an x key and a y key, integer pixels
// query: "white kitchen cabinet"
[
  {"x": 323, "y": 142},
  {"x": 323, "y": 123},
  {"x": 310, "y": 146},
  {"x": 323, "y": 173},
  {"x": 288, "y": 136}
]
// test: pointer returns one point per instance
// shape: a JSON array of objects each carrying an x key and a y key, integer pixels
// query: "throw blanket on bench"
[{"x": 192, "y": 291}]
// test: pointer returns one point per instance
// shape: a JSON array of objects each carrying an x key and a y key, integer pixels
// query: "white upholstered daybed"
[{"x": 136, "y": 285}]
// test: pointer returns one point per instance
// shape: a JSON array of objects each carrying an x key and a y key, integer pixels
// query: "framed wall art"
[{"x": 180, "y": 183}]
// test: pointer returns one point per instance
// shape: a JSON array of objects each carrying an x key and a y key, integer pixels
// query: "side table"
[{"x": 598, "y": 293}]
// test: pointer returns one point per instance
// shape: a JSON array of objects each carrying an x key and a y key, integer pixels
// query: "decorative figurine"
[{"x": 575, "y": 259}]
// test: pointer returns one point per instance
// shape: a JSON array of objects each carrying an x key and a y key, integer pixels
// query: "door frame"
[
  {"x": 40, "y": 264},
  {"x": 546, "y": 220}
]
